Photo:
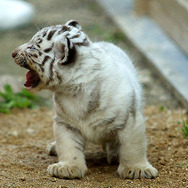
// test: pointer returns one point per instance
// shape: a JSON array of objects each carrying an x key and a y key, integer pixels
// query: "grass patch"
[
  {"x": 20, "y": 100},
  {"x": 162, "y": 108},
  {"x": 115, "y": 37},
  {"x": 184, "y": 128}
]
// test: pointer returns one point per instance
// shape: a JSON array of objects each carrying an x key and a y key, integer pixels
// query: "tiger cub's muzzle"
[
  {"x": 20, "y": 59},
  {"x": 32, "y": 78}
]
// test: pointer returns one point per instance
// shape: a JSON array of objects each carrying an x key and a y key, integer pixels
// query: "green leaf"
[
  {"x": 28, "y": 95},
  {"x": 8, "y": 89},
  {"x": 184, "y": 129},
  {"x": 23, "y": 99}
]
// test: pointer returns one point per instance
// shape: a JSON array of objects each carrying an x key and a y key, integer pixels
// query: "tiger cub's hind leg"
[
  {"x": 132, "y": 152},
  {"x": 51, "y": 149},
  {"x": 112, "y": 149}
]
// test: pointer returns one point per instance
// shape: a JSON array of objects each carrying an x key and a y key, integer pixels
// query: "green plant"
[
  {"x": 162, "y": 108},
  {"x": 183, "y": 165},
  {"x": 23, "y": 99},
  {"x": 115, "y": 37},
  {"x": 184, "y": 129}
]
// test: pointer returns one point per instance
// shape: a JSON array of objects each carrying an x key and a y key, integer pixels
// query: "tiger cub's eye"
[{"x": 32, "y": 47}]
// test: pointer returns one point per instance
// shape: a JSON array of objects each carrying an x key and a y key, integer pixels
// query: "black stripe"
[
  {"x": 46, "y": 58},
  {"x": 73, "y": 23},
  {"x": 51, "y": 71},
  {"x": 67, "y": 34},
  {"x": 50, "y": 35},
  {"x": 65, "y": 28},
  {"x": 94, "y": 103},
  {"x": 39, "y": 41},
  {"x": 133, "y": 105},
  {"x": 109, "y": 121},
  {"x": 51, "y": 67},
  {"x": 83, "y": 43},
  {"x": 34, "y": 62},
  {"x": 42, "y": 69},
  {"x": 44, "y": 34},
  {"x": 48, "y": 50},
  {"x": 62, "y": 49},
  {"x": 122, "y": 125},
  {"x": 78, "y": 148},
  {"x": 34, "y": 55},
  {"x": 58, "y": 77},
  {"x": 75, "y": 36},
  {"x": 39, "y": 53},
  {"x": 106, "y": 122},
  {"x": 71, "y": 54},
  {"x": 80, "y": 144}
]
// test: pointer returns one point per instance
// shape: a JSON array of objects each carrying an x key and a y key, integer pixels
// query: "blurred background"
[
  {"x": 46, "y": 13},
  {"x": 94, "y": 21}
]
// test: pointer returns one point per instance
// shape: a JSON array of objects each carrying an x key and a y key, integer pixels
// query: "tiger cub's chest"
[{"x": 73, "y": 107}]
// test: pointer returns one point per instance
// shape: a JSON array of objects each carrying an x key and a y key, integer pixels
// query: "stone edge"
[{"x": 159, "y": 52}]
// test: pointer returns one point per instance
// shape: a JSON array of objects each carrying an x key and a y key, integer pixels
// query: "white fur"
[
  {"x": 117, "y": 79},
  {"x": 97, "y": 98}
]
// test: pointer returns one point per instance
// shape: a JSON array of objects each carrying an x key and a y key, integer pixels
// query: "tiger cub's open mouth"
[{"x": 32, "y": 79}]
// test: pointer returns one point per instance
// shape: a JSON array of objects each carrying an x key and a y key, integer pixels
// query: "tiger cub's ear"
[
  {"x": 64, "y": 51},
  {"x": 74, "y": 24}
]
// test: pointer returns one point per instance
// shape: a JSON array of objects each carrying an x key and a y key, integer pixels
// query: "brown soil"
[{"x": 23, "y": 160}]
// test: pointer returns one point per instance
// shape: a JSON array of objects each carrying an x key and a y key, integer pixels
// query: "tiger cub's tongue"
[{"x": 32, "y": 79}]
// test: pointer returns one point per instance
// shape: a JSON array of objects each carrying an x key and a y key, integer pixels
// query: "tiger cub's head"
[{"x": 48, "y": 52}]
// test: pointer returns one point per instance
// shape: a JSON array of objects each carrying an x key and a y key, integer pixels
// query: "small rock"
[
  {"x": 30, "y": 131},
  {"x": 23, "y": 178},
  {"x": 53, "y": 180},
  {"x": 15, "y": 133},
  {"x": 162, "y": 162}
]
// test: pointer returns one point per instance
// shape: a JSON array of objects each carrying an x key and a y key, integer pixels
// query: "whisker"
[
  {"x": 37, "y": 27},
  {"x": 25, "y": 36}
]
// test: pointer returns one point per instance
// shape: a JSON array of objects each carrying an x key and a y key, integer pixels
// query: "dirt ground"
[
  {"x": 23, "y": 160},
  {"x": 25, "y": 133}
]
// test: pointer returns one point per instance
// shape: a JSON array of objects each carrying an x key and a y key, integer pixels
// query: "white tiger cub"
[{"x": 97, "y": 98}]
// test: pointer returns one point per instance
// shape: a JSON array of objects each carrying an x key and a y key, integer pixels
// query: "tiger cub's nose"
[{"x": 14, "y": 53}]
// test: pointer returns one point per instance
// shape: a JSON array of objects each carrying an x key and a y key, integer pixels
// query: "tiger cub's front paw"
[
  {"x": 67, "y": 171},
  {"x": 137, "y": 172}
]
